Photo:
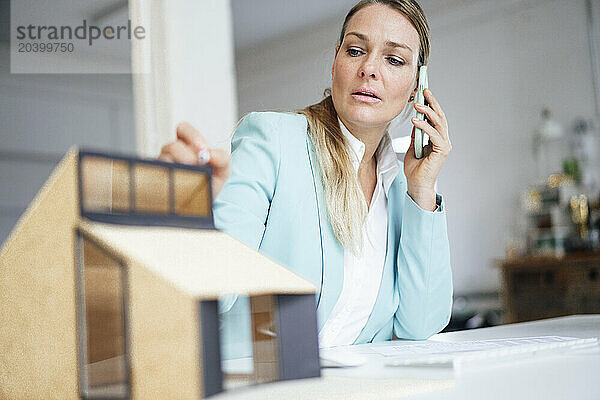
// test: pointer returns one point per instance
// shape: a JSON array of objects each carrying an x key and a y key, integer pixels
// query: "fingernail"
[{"x": 203, "y": 156}]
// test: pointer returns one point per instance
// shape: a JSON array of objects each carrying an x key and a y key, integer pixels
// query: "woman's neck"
[{"x": 370, "y": 136}]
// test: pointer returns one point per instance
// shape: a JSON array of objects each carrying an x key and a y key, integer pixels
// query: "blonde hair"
[{"x": 346, "y": 205}]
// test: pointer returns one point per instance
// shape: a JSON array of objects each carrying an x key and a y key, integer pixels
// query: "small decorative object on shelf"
[
  {"x": 571, "y": 169},
  {"x": 579, "y": 214},
  {"x": 559, "y": 217},
  {"x": 547, "y": 144},
  {"x": 585, "y": 145},
  {"x": 546, "y": 214}
]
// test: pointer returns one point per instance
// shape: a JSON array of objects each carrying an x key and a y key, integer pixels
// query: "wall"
[
  {"x": 494, "y": 65},
  {"x": 41, "y": 116},
  {"x": 190, "y": 60}
]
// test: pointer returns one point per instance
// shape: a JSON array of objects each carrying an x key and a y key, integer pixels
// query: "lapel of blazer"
[{"x": 332, "y": 253}]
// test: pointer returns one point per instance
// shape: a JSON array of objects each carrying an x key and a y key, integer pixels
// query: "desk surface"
[{"x": 558, "y": 377}]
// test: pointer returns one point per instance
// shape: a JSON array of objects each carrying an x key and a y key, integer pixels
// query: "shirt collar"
[{"x": 387, "y": 161}]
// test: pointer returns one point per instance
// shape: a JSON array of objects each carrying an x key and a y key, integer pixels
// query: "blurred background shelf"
[{"x": 536, "y": 287}]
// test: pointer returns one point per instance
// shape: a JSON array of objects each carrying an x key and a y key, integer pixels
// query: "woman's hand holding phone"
[
  {"x": 191, "y": 148},
  {"x": 421, "y": 173}
]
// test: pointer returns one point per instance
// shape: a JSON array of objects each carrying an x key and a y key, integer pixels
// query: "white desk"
[{"x": 559, "y": 377}]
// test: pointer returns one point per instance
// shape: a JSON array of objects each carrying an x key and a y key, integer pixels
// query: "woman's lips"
[{"x": 365, "y": 99}]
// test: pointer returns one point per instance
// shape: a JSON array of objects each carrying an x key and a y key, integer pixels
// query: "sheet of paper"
[{"x": 411, "y": 349}]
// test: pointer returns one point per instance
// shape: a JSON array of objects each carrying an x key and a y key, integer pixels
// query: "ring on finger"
[{"x": 203, "y": 156}]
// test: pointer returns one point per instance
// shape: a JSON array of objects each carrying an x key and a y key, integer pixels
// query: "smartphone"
[{"x": 421, "y": 138}]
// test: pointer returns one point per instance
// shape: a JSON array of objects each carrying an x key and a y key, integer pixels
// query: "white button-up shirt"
[{"x": 363, "y": 272}]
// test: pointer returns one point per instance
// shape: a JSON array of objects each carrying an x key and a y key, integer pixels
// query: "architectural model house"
[{"x": 109, "y": 288}]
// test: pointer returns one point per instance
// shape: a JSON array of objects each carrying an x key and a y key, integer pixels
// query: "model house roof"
[{"x": 202, "y": 263}]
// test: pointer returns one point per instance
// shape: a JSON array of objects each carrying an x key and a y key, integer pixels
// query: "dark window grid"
[{"x": 148, "y": 219}]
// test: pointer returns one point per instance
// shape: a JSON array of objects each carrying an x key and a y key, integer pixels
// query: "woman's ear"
[{"x": 413, "y": 95}]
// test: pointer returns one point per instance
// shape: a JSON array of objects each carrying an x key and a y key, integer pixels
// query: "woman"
[{"x": 322, "y": 192}]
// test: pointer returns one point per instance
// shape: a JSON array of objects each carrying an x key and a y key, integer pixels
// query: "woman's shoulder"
[{"x": 274, "y": 121}]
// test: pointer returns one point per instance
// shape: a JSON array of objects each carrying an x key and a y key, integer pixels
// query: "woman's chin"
[{"x": 366, "y": 118}]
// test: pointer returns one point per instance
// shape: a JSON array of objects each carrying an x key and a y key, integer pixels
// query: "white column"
[
  {"x": 593, "y": 9},
  {"x": 189, "y": 56}
]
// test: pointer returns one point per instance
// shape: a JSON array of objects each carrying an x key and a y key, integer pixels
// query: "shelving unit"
[{"x": 537, "y": 287}]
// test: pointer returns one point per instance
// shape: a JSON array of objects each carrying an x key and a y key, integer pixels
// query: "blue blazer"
[{"x": 273, "y": 201}]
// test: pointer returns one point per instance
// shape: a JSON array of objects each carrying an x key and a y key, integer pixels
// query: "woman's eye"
[
  {"x": 353, "y": 52},
  {"x": 395, "y": 61}
]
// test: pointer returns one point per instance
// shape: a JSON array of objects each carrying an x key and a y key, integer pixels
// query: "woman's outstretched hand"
[
  {"x": 421, "y": 174},
  {"x": 191, "y": 148}
]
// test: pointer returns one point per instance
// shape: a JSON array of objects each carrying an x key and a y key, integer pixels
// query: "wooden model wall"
[{"x": 37, "y": 315}]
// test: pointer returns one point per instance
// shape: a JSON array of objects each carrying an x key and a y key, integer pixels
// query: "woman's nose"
[{"x": 368, "y": 69}]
